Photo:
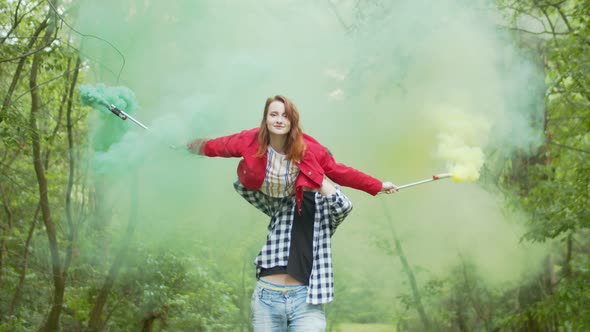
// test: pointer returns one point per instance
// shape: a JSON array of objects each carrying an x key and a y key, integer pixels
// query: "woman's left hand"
[{"x": 389, "y": 188}]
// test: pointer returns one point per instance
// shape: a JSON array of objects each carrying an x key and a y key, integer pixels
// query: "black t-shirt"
[{"x": 301, "y": 248}]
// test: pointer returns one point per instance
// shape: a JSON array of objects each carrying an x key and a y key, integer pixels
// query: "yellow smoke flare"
[{"x": 461, "y": 139}]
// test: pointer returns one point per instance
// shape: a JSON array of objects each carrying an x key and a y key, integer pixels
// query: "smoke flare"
[{"x": 461, "y": 141}]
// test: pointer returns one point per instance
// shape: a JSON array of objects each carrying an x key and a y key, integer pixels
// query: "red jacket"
[{"x": 315, "y": 164}]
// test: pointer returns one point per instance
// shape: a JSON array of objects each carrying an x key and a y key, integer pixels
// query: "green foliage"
[
  {"x": 356, "y": 305},
  {"x": 554, "y": 184},
  {"x": 170, "y": 290},
  {"x": 182, "y": 291}
]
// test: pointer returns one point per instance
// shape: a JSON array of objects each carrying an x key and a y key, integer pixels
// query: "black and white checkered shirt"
[{"x": 329, "y": 213}]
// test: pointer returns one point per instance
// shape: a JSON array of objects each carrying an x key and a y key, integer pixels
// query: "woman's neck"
[{"x": 278, "y": 143}]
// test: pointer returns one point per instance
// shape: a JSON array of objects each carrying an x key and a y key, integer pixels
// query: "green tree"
[
  {"x": 39, "y": 75},
  {"x": 553, "y": 185}
]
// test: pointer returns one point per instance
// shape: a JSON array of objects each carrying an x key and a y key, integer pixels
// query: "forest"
[{"x": 107, "y": 226}]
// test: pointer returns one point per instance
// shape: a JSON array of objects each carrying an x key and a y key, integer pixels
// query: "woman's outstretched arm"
[
  {"x": 225, "y": 146},
  {"x": 350, "y": 177}
]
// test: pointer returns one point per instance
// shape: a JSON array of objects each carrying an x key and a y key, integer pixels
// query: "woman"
[
  {"x": 279, "y": 159},
  {"x": 294, "y": 267}
]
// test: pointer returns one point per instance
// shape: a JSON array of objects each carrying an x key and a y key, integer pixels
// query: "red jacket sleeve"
[
  {"x": 348, "y": 176},
  {"x": 227, "y": 146}
]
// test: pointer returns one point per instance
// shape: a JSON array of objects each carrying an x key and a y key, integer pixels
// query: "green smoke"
[
  {"x": 90, "y": 96},
  {"x": 109, "y": 129},
  {"x": 369, "y": 82}
]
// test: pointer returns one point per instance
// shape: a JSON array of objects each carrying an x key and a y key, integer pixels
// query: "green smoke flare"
[{"x": 109, "y": 129}]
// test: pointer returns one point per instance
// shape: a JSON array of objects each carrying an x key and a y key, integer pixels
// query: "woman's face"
[{"x": 277, "y": 121}]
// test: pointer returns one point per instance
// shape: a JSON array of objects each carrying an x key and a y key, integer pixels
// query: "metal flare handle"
[
  {"x": 124, "y": 116},
  {"x": 433, "y": 178}
]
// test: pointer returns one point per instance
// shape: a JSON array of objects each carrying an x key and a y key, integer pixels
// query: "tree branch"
[
  {"x": 18, "y": 71},
  {"x": 35, "y": 51},
  {"x": 564, "y": 18},
  {"x": 16, "y": 21},
  {"x": 544, "y": 32},
  {"x": 39, "y": 85},
  {"x": 544, "y": 11},
  {"x": 570, "y": 147}
]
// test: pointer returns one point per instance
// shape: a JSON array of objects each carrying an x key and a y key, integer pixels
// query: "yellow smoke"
[{"x": 461, "y": 139}]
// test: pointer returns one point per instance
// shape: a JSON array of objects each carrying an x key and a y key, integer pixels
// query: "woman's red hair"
[{"x": 294, "y": 146}]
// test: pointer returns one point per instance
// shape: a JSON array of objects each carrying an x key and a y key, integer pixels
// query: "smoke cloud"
[{"x": 399, "y": 89}]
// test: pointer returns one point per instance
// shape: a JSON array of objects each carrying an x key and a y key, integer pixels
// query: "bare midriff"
[{"x": 281, "y": 279}]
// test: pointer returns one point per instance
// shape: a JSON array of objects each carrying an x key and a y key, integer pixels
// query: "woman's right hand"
[
  {"x": 195, "y": 146},
  {"x": 327, "y": 188}
]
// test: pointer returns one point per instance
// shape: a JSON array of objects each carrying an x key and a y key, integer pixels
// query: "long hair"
[{"x": 294, "y": 145}]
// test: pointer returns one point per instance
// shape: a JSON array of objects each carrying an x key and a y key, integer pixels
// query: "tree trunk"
[
  {"x": 60, "y": 111},
  {"x": 408, "y": 270},
  {"x": 72, "y": 167},
  {"x": 6, "y": 203},
  {"x": 58, "y": 278},
  {"x": 52, "y": 321},
  {"x": 567, "y": 264},
  {"x": 21, "y": 280},
  {"x": 243, "y": 302},
  {"x": 460, "y": 313},
  {"x": 6, "y": 230},
  {"x": 96, "y": 323},
  {"x": 482, "y": 311},
  {"x": 69, "y": 86}
]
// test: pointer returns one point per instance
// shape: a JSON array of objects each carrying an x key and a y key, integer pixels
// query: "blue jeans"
[{"x": 277, "y": 308}]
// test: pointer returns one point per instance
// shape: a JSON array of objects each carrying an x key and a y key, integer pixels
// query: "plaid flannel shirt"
[{"x": 329, "y": 213}]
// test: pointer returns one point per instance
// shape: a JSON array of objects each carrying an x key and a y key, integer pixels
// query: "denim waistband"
[{"x": 278, "y": 287}]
